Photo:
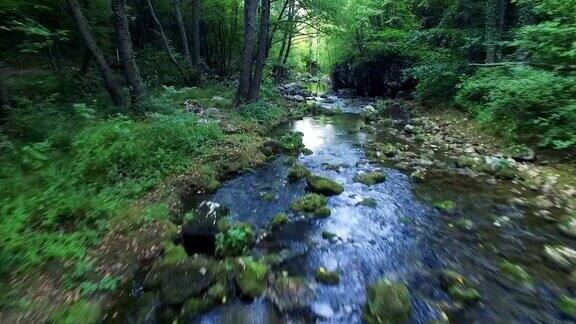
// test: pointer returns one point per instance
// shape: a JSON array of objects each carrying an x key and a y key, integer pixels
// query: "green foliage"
[
  {"x": 262, "y": 112},
  {"x": 81, "y": 312},
  {"x": 524, "y": 103},
  {"x": 107, "y": 284},
  {"x": 438, "y": 77},
  {"x": 291, "y": 142},
  {"x": 236, "y": 240}
]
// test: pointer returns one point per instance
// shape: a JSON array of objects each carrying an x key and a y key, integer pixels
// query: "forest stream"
[{"x": 399, "y": 235}]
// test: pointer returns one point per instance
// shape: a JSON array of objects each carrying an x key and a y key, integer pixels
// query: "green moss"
[
  {"x": 327, "y": 277},
  {"x": 515, "y": 272},
  {"x": 250, "y": 276},
  {"x": 291, "y": 142},
  {"x": 323, "y": 186},
  {"x": 388, "y": 303},
  {"x": 218, "y": 293},
  {"x": 268, "y": 196},
  {"x": 309, "y": 203},
  {"x": 567, "y": 305},
  {"x": 173, "y": 254},
  {"x": 307, "y": 151},
  {"x": 465, "y": 161},
  {"x": 465, "y": 224},
  {"x": 370, "y": 178},
  {"x": 278, "y": 220},
  {"x": 81, "y": 312},
  {"x": 368, "y": 202},
  {"x": 446, "y": 206},
  {"x": 451, "y": 278},
  {"x": 323, "y": 212},
  {"x": 328, "y": 235},
  {"x": 298, "y": 172},
  {"x": 196, "y": 306}
]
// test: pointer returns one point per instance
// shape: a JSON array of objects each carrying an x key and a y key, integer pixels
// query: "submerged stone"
[
  {"x": 323, "y": 186},
  {"x": 278, "y": 220},
  {"x": 327, "y": 277},
  {"x": 328, "y": 235},
  {"x": 289, "y": 293},
  {"x": 298, "y": 172},
  {"x": 251, "y": 276},
  {"x": 465, "y": 224},
  {"x": 309, "y": 203},
  {"x": 387, "y": 302},
  {"x": 370, "y": 178},
  {"x": 368, "y": 202},
  {"x": 515, "y": 272}
]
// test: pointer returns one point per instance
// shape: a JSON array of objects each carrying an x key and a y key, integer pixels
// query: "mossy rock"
[
  {"x": 298, "y": 172},
  {"x": 450, "y": 278},
  {"x": 251, "y": 276},
  {"x": 465, "y": 161},
  {"x": 327, "y": 277},
  {"x": 238, "y": 239},
  {"x": 368, "y": 202},
  {"x": 307, "y": 151},
  {"x": 218, "y": 293},
  {"x": 196, "y": 306},
  {"x": 173, "y": 254},
  {"x": 268, "y": 196},
  {"x": 387, "y": 302},
  {"x": 515, "y": 272},
  {"x": 504, "y": 170},
  {"x": 323, "y": 212},
  {"x": 328, "y": 235},
  {"x": 290, "y": 293},
  {"x": 567, "y": 225},
  {"x": 278, "y": 220},
  {"x": 446, "y": 206},
  {"x": 465, "y": 224},
  {"x": 80, "y": 312},
  {"x": 464, "y": 294},
  {"x": 291, "y": 142},
  {"x": 567, "y": 305},
  {"x": 309, "y": 203},
  {"x": 370, "y": 178},
  {"x": 323, "y": 186}
]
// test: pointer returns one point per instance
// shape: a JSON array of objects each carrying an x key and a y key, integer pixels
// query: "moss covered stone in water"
[
  {"x": 567, "y": 305},
  {"x": 387, "y": 302},
  {"x": 298, "y": 172},
  {"x": 327, "y": 277},
  {"x": 196, "y": 306},
  {"x": 515, "y": 272},
  {"x": 278, "y": 220},
  {"x": 370, "y": 178},
  {"x": 446, "y": 206},
  {"x": 218, "y": 293},
  {"x": 251, "y": 276},
  {"x": 81, "y": 312},
  {"x": 309, "y": 203},
  {"x": 323, "y": 186},
  {"x": 268, "y": 196},
  {"x": 323, "y": 212},
  {"x": 236, "y": 240},
  {"x": 291, "y": 142},
  {"x": 307, "y": 151},
  {"x": 458, "y": 287},
  {"x": 173, "y": 254},
  {"x": 328, "y": 236}
]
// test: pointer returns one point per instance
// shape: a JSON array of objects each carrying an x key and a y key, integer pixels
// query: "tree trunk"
[
  {"x": 127, "y": 57},
  {"x": 250, "y": 7},
  {"x": 260, "y": 62},
  {"x": 85, "y": 63},
  {"x": 4, "y": 99},
  {"x": 183, "y": 36},
  {"x": 107, "y": 75},
  {"x": 290, "y": 33},
  {"x": 491, "y": 20},
  {"x": 166, "y": 42},
  {"x": 196, "y": 32}
]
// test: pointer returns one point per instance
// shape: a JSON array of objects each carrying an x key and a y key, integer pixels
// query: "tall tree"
[
  {"x": 107, "y": 76},
  {"x": 183, "y": 36},
  {"x": 126, "y": 51},
  {"x": 196, "y": 32},
  {"x": 250, "y": 8},
  {"x": 261, "y": 54},
  {"x": 4, "y": 100},
  {"x": 492, "y": 34},
  {"x": 166, "y": 42}
]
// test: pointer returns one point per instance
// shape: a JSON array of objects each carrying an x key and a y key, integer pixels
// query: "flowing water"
[{"x": 402, "y": 238}]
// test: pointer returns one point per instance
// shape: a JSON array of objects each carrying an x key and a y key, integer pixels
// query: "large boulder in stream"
[
  {"x": 251, "y": 277},
  {"x": 199, "y": 234},
  {"x": 323, "y": 186},
  {"x": 387, "y": 302},
  {"x": 289, "y": 293}
]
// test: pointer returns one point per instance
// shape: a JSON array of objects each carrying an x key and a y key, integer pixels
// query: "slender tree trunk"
[
  {"x": 127, "y": 57},
  {"x": 260, "y": 61},
  {"x": 183, "y": 35},
  {"x": 290, "y": 33},
  {"x": 250, "y": 7},
  {"x": 4, "y": 97},
  {"x": 166, "y": 42},
  {"x": 491, "y": 38},
  {"x": 107, "y": 75},
  {"x": 288, "y": 48},
  {"x": 85, "y": 63},
  {"x": 196, "y": 32}
]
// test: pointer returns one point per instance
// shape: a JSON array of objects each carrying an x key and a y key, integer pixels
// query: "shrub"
[
  {"x": 524, "y": 103},
  {"x": 236, "y": 240},
  {"x": 262, "y": 112}
]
